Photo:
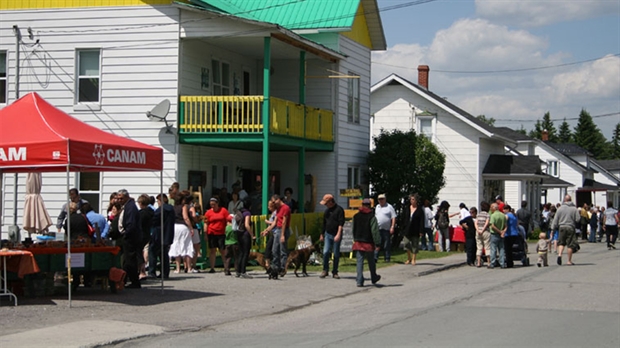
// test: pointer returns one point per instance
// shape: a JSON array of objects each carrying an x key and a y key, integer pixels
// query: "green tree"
[
  {"x": 588, "y": 136},
  {"x": 490, "y": 121},
  {"x": 404, "y": 163},
  {"x": 536, "y": 133},
  {"x": 522, "y": 130},
  {"x": 545, "y": 124},
  {"x": 615, "y": 143},
  {"x": 565, "y": 135}
]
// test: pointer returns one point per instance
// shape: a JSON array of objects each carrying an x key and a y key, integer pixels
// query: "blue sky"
[{"x": 490, "y": 35}]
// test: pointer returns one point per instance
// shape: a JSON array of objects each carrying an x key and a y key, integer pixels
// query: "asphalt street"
[
  {"x": 574, "y": 306},
  {"x": 438, "y": 302}
]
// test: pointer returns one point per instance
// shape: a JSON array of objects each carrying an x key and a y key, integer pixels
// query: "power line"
[
  {"x": 502, "y": 71},
  {"x": 559, "y": 119}
]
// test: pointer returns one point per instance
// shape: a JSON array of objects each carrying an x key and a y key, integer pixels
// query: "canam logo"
[
  {"x": 117, "y": 156},
  {"x": 11, "y": 154}
]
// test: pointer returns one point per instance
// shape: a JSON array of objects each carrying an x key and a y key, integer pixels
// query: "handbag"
[{"x": 91, "y": 229}]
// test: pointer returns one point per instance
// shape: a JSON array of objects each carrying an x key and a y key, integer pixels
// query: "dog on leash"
[
  {"x": 299, "y": 258},
  {"x": 260, "y": 259}
]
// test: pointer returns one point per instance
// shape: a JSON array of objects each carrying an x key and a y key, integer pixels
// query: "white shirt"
[
  {"x": 384, "y": 216},
  {"x": 464, "y": 213},
  {"x": 428, "y": 214}
]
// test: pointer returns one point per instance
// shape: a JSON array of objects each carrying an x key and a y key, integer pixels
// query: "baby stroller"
[{"x": 519, "y": 248}]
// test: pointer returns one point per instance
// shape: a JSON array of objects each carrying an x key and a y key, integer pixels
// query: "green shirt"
[
  {"x": 498, "y": 219},
  {"x": 231, "y": 236}
]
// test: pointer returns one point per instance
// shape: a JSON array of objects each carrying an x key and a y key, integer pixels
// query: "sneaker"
[
  {"x": 237, "y": 274},
  {"x": 227, "y": 273},
  {"x": 559, "y": 261},
  {"x": 246, "y": 276},
  {"x": 613, "y": 247},
  {"x": 211, "y": 271},
  {"x": 360, "y": 285},
  {"x": 376, "y": 280},
  {"x": 193, "y": 271},
  {"x": 323, "y": 274},
  {"x": 336, "y": 276}
]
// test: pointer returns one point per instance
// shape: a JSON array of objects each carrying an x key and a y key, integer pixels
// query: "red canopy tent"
[{"x": 37, "y": 137}]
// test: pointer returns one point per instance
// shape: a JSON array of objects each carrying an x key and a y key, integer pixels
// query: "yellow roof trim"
[
  {"x": 42, "y": 4},
  {"x": 359, "y": 31}
]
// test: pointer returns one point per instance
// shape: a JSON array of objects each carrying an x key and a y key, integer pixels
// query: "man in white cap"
[
  {"x": 386, "y": 217},
  {"x": 333, "y": 221}
]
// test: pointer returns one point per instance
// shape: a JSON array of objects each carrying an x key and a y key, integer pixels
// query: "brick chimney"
[
  {"x": 423, "y": 75},
  {"x": 544, "y": 135}
]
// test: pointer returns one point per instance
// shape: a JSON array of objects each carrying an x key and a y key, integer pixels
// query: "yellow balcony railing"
[{"x": 242, "y": 114}]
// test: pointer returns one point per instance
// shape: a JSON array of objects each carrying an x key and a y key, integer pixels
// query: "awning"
[
  {"x": 552, "y": 182},
  {"x": 592, "y": 186},
  {"x": 507, "y": 167}
]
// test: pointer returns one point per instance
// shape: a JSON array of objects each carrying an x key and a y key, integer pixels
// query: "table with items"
[{"x": 20, "y": 262}]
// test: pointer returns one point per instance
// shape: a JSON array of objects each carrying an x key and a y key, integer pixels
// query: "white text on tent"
[
  {"x": 14, "y": 154},
  {"x": 126, "y": 156}
]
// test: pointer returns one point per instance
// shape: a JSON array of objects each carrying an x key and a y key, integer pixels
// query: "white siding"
[
  {"x": 567, "y": 170},
  {"x": 139, "y": 68},
  {"x": 486, "y": 148},
  {"x": 352, "y": 140}
]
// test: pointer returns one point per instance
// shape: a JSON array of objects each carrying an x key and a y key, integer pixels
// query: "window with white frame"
[
  {"x": 89, "y": 187},
  {"x": 552, "y": 168},
  {"x": 89, "y": 76},
  {"x": 221, "y": 77},
  {"x": 3, "y": 77},
  {"x": 353, "y": 98},
  {"x": 425, "y": 126},
  {"x": 353, "y": 176}
]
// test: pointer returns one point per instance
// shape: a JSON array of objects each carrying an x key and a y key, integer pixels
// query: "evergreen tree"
[
  {"x": 547, "y": 124},
  {"x": 588, "y": 136},
  {"x": 490, "y": 121},
  {"x": 565, "y": 135},
  {"x": 522, "y": 130},
  {"x": 615, "y": 143},
  {"x": 536, "y": 133}
]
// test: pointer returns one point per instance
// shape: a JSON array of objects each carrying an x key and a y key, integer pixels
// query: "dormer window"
[{"x": 552, "y": 168}]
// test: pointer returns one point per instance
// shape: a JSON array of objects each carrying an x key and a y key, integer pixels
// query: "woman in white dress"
[{"x": 182, "y": 246}]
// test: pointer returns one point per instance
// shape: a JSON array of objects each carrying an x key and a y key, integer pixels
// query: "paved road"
[{"x": 576, "y": 306}]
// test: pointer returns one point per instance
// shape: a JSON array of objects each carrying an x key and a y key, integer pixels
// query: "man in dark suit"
[
  {"x": 131, "y": 232},
  {"x": 155, "y": 243}
]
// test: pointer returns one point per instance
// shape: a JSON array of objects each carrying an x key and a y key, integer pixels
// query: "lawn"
[{"x": 348, "y": 264}]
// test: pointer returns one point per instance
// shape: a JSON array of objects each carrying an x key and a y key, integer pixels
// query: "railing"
[{"x": 243, "y": 114}]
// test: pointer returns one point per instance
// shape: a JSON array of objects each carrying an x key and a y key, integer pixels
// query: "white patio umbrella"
[{"x": 36, "y": 218}]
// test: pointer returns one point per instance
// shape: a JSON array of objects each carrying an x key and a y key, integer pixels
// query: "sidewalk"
[{"x": 98, "y": 318}]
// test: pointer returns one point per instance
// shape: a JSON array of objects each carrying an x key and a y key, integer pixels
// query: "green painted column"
[
  {"x": 301, "y": 158},
  {"x": 302, "y": 77},
  {"x": 266, "y": 115}
]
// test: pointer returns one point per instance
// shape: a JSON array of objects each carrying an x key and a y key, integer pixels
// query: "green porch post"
[
  {"x": 301, "y": 178},
  {"x": 266, "y": 115},
  {"x": 302, "y": 77}
]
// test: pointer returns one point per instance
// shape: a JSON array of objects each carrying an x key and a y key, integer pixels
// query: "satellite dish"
[{"x": 159, "y": 113}]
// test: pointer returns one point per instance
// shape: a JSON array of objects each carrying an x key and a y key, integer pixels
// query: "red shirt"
[
  {"x": 283, "y": 211},
  {"x": 216, "y": 221}
]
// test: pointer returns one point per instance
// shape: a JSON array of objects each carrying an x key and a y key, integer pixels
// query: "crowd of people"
[{"x": 492, "y": 234}]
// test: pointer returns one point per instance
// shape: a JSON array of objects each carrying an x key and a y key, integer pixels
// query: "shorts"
[
  {"x": 196, "y": 237},
  {"x": 216, "y": 241},
  {"x": 554, "y": 235},
  {"x": 412, "y": 245},
  {"x": 567, "y": 236}
]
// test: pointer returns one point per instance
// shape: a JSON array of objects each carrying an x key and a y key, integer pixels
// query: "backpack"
[{"x": 443, "y": 221}]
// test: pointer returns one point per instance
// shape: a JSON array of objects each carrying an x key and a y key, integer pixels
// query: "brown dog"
[
  {"x": 260, "y": 258},
  {"x": 299, "y": 257}
]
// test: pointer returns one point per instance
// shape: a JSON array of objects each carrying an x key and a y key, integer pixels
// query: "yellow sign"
[{"x": 350, "y": 193}]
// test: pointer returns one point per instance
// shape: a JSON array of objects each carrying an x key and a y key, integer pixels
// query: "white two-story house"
[{"x": 257, "y": 89}]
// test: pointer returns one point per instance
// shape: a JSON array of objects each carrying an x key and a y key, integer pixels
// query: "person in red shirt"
[
  {"x": 215, "y": 222},
  {"x": 281, "y": 233}
]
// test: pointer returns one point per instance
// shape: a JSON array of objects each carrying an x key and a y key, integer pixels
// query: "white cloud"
[
  {"x": 596, "y": 80},
  {"x": 535, "y": 13},
  {"x": 511, "y": 98}
]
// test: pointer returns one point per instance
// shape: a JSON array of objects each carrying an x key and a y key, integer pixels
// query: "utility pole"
[{"x": 18, "y": 39}]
